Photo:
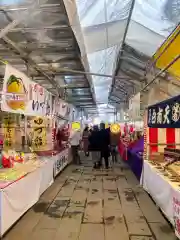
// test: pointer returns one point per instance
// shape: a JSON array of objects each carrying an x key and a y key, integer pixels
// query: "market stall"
[
  {"x": 31, "y": 154},
  {"x": 161, "y": 168}
]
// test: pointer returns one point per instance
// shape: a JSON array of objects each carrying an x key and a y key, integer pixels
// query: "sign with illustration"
[
  {"x": 21, "y": 95},
  {"x": 165, "y": 114}
]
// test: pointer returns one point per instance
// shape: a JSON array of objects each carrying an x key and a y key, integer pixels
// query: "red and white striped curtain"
[{"x": 159, "y": 138}]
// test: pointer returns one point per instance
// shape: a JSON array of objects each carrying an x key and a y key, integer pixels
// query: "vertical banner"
[
  {"x": 145, "y": 136},
  {"x": 37, "y": 133},
  {"x": 176, "y": 212},
  {"x": 134, "y": 108},
  {"x": 8, "y": 132}
]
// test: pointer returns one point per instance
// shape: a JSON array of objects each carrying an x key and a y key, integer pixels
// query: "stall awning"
[{"x": 169, "y": 50}]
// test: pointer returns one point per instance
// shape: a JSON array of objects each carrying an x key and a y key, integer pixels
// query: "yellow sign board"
[
  {"x": 115, "y": 128},
  {"x": 76, "y": 125},
  {"x": 165, "y": 56}
]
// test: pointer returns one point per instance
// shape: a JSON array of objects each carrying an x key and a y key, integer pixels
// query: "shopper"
[
  {"x": 75, "y": 139},
  {"x": 104, "y": 140},
  {"x": 85, "y": 141},
  {"x": 94, "y": 146},
  {"x": 114, "y": 142}
]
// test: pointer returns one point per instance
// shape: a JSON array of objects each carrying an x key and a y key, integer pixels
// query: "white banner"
[
  {"x": 176, "y": 212},
  {"x": 61, "y": 108},
  {"x": 134, "y": 108},
  {"x": 21, "y": 95},
  {"x": 61, "y": 161}
]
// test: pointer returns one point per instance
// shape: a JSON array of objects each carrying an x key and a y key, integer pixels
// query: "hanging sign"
[
  {"x": 134, "y": 107},
  {"x": 115, "y": 128},
  {"x": 21, "y": 95},
  {"x": 165, "y": 114},
  {"x": 76, "y": 125},
  {"x": 61, "y": 108}
]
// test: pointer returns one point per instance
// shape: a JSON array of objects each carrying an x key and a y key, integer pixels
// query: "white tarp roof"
[{"x": 103, "y": 24}]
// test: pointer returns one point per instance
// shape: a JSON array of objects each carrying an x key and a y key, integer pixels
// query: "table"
[
  {"x": 135, "y": 162},
  {"x": 160, "y": 188},
  {"x": 21, "y": 195}
]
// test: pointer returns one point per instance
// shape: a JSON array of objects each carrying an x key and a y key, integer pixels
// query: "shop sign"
[
  {"x": 26, "y": 97},
  {"x": 176, "y": 214},
  {"x": 61, "y": 162},
  {"x": 165, "y": 114},
  {"x": 39, "y": 133}
]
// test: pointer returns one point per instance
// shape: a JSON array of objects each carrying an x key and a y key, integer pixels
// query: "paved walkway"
[{"x": 84, "y": 204}]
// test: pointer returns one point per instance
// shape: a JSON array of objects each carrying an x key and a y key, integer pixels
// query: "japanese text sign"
[
  {"x": 176, "y": 214},
  {"x": 165, "y": 114}
]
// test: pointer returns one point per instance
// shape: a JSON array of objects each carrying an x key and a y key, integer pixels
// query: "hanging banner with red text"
[{"x": 21, "y": 95}]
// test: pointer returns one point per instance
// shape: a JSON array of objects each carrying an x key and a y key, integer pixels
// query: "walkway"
[{"x": 93, "y": 205}]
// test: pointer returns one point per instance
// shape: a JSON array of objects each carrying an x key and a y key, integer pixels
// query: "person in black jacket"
[
  {"x": 94, "y": 146},
  {"x": 104, "y": 140}
]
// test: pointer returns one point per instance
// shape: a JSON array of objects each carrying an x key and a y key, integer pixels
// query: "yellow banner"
[
  {"x": 38, "y": 133},
  {"x": 173, "y": 50},
  {"x": 9, "y": 137}
]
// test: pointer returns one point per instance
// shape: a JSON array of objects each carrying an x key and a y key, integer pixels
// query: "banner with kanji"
[{"x": 165, "y": 114}]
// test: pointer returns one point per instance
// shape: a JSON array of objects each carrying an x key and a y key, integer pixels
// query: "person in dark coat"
[
  {"x": 94, "y": 146},
  {"x": 104, "y": 140}
]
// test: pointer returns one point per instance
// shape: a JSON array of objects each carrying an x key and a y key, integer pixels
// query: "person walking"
[
  {"x": 75, "y": 139},
  {"x": 104, "y": 140},
  {"x": 114, "y": 142},
  {"x": 85, "y": 141},
  {"x": 94, "y": 146}
]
